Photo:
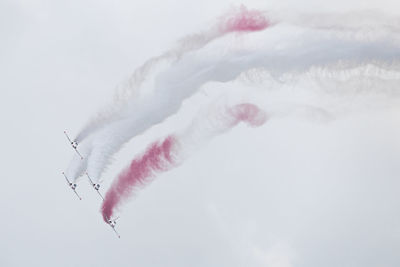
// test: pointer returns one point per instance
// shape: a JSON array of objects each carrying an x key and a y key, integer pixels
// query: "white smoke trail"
[
  {"x": 282, "y": 50},
  {"x": 238, "y": 20},
  {"x": 366, "y": 22}
]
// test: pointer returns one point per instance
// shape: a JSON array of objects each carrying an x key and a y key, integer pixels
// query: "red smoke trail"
[
  {"x": 244, "y": 21},
  {"x": 159, "y": 157}
]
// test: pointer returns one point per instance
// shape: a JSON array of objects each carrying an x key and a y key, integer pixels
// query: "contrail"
[{"x": 162, "y": 156}]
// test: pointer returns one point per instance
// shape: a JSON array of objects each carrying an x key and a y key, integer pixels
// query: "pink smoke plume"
[
  {"x": 157, "y": 158},
  {"x": 249, "y": 113},
  {"x": 161, "y": 157},
  {"x": 244, "y": 20}
]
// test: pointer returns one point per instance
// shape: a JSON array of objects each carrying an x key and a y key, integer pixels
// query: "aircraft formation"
[{"x": 96, "y": 187}]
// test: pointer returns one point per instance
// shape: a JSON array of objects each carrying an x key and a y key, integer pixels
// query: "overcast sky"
[{"x": 294, "y": 193}]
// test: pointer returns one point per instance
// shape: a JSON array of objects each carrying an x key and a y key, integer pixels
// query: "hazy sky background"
[{"x": 292, "y": 193}]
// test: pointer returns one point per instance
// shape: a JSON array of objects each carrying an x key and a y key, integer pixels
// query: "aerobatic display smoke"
[
  {"x": 123, "y": 121},
  {"x": 242, "y": 20},
  {"x": 335, "y": 57},
  {"x": 165, "y": 155}
]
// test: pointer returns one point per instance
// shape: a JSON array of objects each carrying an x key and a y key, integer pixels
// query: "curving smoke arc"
[
  {"x": 159, "y": 157},
  {"x": 162, "y": 156},
  {"x": 131, "y": 113},
  {"x": 290, "y": 48},
  {"x": 241, "y": 20}
]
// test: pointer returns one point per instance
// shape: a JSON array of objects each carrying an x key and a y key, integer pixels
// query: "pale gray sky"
[{"x": 295, "y": 194}]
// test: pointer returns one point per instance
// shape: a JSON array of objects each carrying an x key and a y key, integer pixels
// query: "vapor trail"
[{"x": 164, "y": 155}]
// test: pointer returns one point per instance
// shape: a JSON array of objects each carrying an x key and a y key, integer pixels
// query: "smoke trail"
[
  {"x": 282, "y": 50},
  {"x": 172, "y": 151},
  {"x": 371, "y": 22},
  {"x": 238, "y": 20},
  {"x": 243, "y": 20},
  {"x": 119, "y": 115},
  {"x": 183, "y": 79}
]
